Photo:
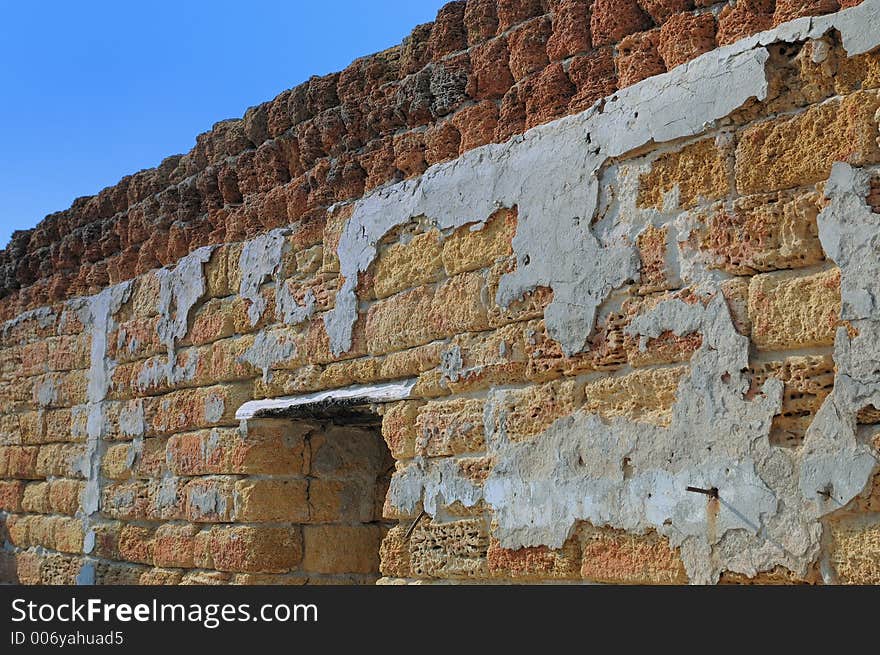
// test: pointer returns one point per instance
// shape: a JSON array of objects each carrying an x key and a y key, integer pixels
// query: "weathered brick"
[
  {"x": 643, "y": 396},
  {"x": 399, "y": 428},
  {"x": 272, "y": 501},
  {"x": 686, "y": 36},
  {"x": 341, "y": 548},
  {"x": 764, "y": 233},
  {"x": 612, "y": 556},
  {"x": 789, "y": 311},
  {"x": 174, "y": 545},
  {"x": 855, "y": 550},
  {"x": 408, "y": 264},
  {"x": 453, "y": 550},
  {"x": 251, "y": 549},
  {"x": 209, "y": 499},
  {"x": 789, "y": 152},
  {"x": 529, "y": 411},
  {"x": 190, "y": 409},
  {"x": 611, "y": 20},
  {"x": 535, "y": 562},
  {"x": 394, "y": 553},
  {"x": 638, "y": 58},
  {"x": 136, "y": 544},
  {"x": 11, "y": 494},
  {"x": 451, "y": 427},
  {"x": 477, "y": 246},
  {"x": 699, "y": 171}
]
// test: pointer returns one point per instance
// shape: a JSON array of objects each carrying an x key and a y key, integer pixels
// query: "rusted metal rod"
[{"x": 713, "y": 492}]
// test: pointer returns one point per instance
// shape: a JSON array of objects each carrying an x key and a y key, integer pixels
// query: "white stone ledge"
[{"x": 361, "y": 394}]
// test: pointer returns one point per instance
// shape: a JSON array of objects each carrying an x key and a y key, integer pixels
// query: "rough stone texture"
[
  {"x": 674, "y": 287},
  {"x": 790, "y": 152},
  {"x": 685, "y": 36},
  {"x": 856, "y": 551},
  {"x": 612, "y": 20},
  {"x": 791, "y": 311},
  {"x": 638, "y": 57}
]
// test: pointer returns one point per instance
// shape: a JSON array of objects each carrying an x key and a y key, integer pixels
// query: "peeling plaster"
[
  {"x": 269, "y": 348},
  {"x": 633, "y": 476},
  {"x": 101, "y": 309},
  {"x": 179, "y": 290},
  {"x": 259, "y": 261},
  {"x": 551, "y": 174}
]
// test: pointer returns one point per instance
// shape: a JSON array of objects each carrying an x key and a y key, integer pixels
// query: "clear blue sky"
[{"x": 94, "y": 90}]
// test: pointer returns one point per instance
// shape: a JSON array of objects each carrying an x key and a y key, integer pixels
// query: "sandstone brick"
[
  {"x": 341, "y": 501},
  {"x": 787, "y": 10},
  {"x": 211, "y": 321},
  {"x": 612, "y": 556},
  {"x": 807, "y": 382},
  {"x": 191, "y": 409},
  {"x": 476, "y": 124},
  {"x": 491, "y": 73},
  {"x": 593, "y": 76},
  {"x": 530, "y": 411},
  {"x": 789, "y": 152},
  {"x": 511, "y": 114},
  {"x": 271, "y": 501},
  {"x": 513, "y": 12},
  {"x": 472, "y": 247},
  {"x": 528, "y": 47},
  {"x": 209, "y": 500},
  {"x": 639, "y": 58},
  {"x": 855, "y": 550},
  {"x": 453, "y": 550},
  {"x": 409, "y": 153},
  {"x": 643, "y": 396},
  {"x": 60, "y": 460},
  {"x": 136, "y": 544},
  {"x": 174, "y": 545},
  {"x": 662, "y": 10},
  {"x": 19, "y": 462},
  {"x": 480, "y": 20},
  {"x": 109, "y": 573},
  {"x": 399, "y": 428},
  {"x": 764, "y": 233},
  {"x": 612, "y": 20},
  {"x": 686, "y": 36},
  {"x": 547, "y": 95},
  {"x": 117, "y": 461},
  {"x": 571, "y": 29},
  {"x": 11, "y": 494},
  {"x": 736, "y": 293},
  {"x": 535, "y": 562},
  {"x": 441, "y": 142},
  {"x": 448, "y": 33},
  {"x": 652, "y": 245},
  {"x": 341, "y": 548},
  {"x": 400, "y": 321},
  {"x": 408, "y": 264},
  {"x": 64, "y": 496},
  {"x": 251, "y": 549},
  {"x": 531, "y": 305},
  {"x": 410, "y": 362},
  {"x": 394, "y": 553},
  {"x": 789, "y": 311},
  {"x": 477, "y": 361},
  {"x": 699, "y": 171},
  {"x": 746, "y": 17},
  {"x": 450, "y": 427},
  {"x": 155, "y": 577}
]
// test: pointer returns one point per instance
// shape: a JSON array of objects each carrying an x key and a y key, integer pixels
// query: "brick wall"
[
  {"x": 482, "y": 72},
  {"x": 120, "y": 455}
]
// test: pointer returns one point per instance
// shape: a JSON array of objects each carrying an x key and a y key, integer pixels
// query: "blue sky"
[{"x": 91, "y": 91}]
